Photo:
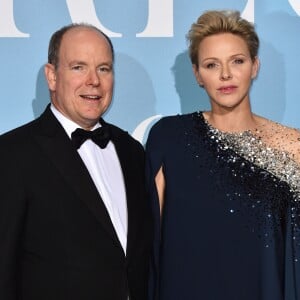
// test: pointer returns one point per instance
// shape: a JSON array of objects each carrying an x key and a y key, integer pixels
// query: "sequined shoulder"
[
  {"x": 282, "y": 138},
  {"x": 273, "y": 148}
]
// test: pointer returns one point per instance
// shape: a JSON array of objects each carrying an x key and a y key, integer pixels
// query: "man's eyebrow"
[{"x": 77, "y": 62}]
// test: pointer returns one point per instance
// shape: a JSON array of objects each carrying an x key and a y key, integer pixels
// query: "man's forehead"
[
  {"x": 82, "y": 38},
  {"x": 76, "y": 46},
  {"x": 81, "y": 31}
]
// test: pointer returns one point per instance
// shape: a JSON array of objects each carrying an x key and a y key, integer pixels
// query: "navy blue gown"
[{"x": 230, "y": 223}]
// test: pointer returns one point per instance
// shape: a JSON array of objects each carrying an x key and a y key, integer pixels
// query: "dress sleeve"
[
  {"x": 292, "y": 254},
  {"x": 154, "y": 160}
]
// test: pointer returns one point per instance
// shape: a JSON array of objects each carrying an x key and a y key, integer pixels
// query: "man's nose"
[{"x": 93, "y": 78}]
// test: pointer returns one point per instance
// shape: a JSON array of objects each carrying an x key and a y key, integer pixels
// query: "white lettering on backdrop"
[
  {"x": 295, "y": 5},
  {"x": 248, "y": 12},
  {"x": 159, "y": 24},
  {"x": 8, "y": 27},
  {"x": 141, "y": 129},
  {"x": 84, "y": 11},
  {"x": 160, "y": 19}
]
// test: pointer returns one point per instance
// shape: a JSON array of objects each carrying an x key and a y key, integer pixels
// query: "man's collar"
[{"x": 66, "y": 123}]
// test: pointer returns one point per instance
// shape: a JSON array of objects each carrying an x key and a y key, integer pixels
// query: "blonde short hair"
[{"x": 214, "y": 22}]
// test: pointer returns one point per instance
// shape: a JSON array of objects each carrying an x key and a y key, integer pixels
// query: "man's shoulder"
[
  {"x": 15, "y": 141},
  {"x": 121, "y": 135},
  {"x": 20, "y": 132},
  {"x": 23, "y": 131}
]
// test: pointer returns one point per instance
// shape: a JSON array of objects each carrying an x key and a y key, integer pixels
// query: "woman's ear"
[
  {"x": 197, "y": 75},
  {"x": 255, "y": 67}
]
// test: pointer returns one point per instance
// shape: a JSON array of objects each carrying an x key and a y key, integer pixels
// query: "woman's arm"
[{"x": 160, "y": 186}]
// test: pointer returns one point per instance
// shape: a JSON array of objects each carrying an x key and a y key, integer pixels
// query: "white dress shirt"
[{"x": 105, "y": 170}]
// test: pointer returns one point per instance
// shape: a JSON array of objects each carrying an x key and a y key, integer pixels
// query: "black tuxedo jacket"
[{"x": 57, "y": 241}]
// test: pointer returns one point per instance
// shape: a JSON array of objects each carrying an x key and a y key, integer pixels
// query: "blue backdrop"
[{"x": 153, "y": 74}]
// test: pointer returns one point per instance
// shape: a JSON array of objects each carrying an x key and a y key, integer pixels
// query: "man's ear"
[
  {"x": 197, "y": 75},
  {"x": 50, "y": 74}
]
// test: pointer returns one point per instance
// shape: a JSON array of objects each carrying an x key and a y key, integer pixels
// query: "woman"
[{"x": 226, "y": 182}]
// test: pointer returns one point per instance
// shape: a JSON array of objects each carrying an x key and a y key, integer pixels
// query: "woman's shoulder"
[
  {"x": 170, "y": 123},
  {"x": 281, "y": 137},
  {"x": 169, "y": 128},
  {"x": 173, "y": 119}
]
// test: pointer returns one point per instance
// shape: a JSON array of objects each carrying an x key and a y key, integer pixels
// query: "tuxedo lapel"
[
  {"x": 58, "y": 147},
  {"x": 120, "y": 140}
]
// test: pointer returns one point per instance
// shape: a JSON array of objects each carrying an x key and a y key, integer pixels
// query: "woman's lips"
[{"x": 227, "y": 89}]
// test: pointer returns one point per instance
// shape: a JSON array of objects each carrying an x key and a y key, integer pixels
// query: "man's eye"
[
  {"x": 77, "y": 68},
  {"x": 104, "y": 69}
]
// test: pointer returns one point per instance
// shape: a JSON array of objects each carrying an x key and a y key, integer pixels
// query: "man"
[{"x": 74, "y": 220}]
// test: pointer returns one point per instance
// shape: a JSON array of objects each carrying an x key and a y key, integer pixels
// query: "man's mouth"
[{"x": 90, "y": 97}]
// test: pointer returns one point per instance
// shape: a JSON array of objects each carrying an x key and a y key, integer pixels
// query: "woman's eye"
[
  {"x": 238, "y": 61},
  {"x": 211, "y": 65}
]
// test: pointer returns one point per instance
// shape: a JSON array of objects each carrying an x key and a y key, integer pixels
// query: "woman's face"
[{"x": 225, "y": 70}]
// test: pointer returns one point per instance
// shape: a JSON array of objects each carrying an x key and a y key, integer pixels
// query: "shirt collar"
[{"x": 66, "y": 123}]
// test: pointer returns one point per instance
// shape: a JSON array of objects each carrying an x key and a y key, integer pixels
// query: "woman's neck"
[{"x": 232, "y": 121}]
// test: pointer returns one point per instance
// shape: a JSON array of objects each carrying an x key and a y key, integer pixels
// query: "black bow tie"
[{"x": 99, "y": 136}]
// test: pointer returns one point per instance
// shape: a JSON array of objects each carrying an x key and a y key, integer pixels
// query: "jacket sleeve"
[{"x": 12, "y": 213}]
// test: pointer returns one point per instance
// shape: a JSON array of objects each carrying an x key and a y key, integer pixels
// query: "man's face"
[{"x": 82, "y": 84}]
